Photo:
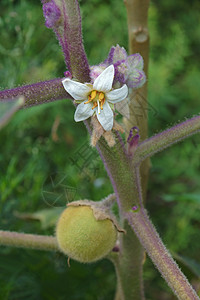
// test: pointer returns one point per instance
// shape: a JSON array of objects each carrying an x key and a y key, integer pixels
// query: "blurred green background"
[{"x": 44, "y": 143}]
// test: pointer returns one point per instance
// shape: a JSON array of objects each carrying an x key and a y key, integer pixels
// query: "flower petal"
[
  {"x": 83, "y": 112},
  {"x": 136, "y": 79},
  {"x": 79, "y": 91},
  {"x": 117, "y": 95},
  {"x": 104, "y": 81},
  {"x": 135, "y": 61},
  {"x": 116, "y": 54},
  {"x": 105, "y": 117}
]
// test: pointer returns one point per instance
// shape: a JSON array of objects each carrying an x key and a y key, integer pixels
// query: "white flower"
[{"x": 96, "y": 98}]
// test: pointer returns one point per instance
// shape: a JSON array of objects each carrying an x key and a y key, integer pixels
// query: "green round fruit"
[{"x": 82, "y": 237}]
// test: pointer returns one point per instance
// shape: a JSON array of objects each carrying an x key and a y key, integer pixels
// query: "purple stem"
[
  {"x": 166, "y": 138},
  {"x": 65, "y": 20},
  {"x": 37, "y": 93}
]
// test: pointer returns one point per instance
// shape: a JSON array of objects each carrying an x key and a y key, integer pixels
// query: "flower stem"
[
  {"x": 166, "y": 138},
  {"x": 155, "y": 248},
  {"x": 32, "y": 241},
  {"x": 37, "y": 93}
]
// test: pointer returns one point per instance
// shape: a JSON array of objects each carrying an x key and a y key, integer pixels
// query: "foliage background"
[{"x": 30, "y": 155}]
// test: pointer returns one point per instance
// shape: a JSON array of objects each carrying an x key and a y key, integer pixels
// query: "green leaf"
[
  {"x": 47, "y": 217},
  {"x": 8, "y": 108}
]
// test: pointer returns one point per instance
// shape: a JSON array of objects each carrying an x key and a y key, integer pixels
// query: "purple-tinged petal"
[
  {"x": 51, "y": 13},
  {"x": 79, "y": 91},
  {"x": 105, "y": 80},
  {"x": 119, "y": 53},
  {"x": 105, "y": 117},
  {"x": 121, "y": 71},
  {"x": 109, "y": 60},
  {"x": 136, "y": 79},
  {"x": 83, "y": 112},
  {"x": 117, "y": 95},
  {"x": 135, "y": 61}
]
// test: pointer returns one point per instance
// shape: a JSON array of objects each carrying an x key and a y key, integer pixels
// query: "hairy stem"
[
  {"x": 24, "y": 240},
  {"x": 166, "y": 138},
  {"x": 128, "y": 266},
  {"x": 155, "y": 248},
  {"x": 130, "y": 258},
  {"x": 37, "y": 93},
  {"x": 73, "y": 34}
]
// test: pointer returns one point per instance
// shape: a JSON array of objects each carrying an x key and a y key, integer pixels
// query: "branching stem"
[{"x": 166, "y": 138}]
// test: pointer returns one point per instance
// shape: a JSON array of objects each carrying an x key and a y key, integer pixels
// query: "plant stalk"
[
  {"x": 166, "y": 138},
  {"x": 130, "y": 259},
  {"x": 31, "y": 241},
  {"x": 155, "y": 248},
  {"x": 37, "y": 93}
]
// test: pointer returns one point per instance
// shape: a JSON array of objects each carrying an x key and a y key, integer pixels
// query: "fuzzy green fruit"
[{"x": 82, "y": 237}]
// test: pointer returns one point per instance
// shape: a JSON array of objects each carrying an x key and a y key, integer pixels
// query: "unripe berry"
[{"x": 82, "y": 237}]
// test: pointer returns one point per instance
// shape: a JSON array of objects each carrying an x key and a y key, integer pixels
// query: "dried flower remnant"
[
  {"x": 97, "y": 98},
  {"x": 98, "y": 131}
]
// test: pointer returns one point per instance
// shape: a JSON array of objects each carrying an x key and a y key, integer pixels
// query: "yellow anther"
[
  {"x": 93, "y": 94},
  {"x": 101, "y": 96}
]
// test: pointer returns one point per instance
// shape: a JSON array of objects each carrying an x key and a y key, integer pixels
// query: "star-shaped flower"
[{"x": 96, "y": 97}]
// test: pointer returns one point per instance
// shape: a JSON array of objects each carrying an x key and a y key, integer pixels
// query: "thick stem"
[
  {"x": 130, "y": 266},
  {"x": 32, "y": 241},
  {"x": 166, "y": 138},
  {"x": 73, "y": 34},
  {"x": 137, "y": 17},
  {"x": 130, "y": 260},
  {"x": 155, "y": 248},
  {"x": 37, "y": 93}
]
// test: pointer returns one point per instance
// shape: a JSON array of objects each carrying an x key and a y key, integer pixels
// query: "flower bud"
[
  {"x": 51, "y": 13},
  {"x": 85, "y": 235}
]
